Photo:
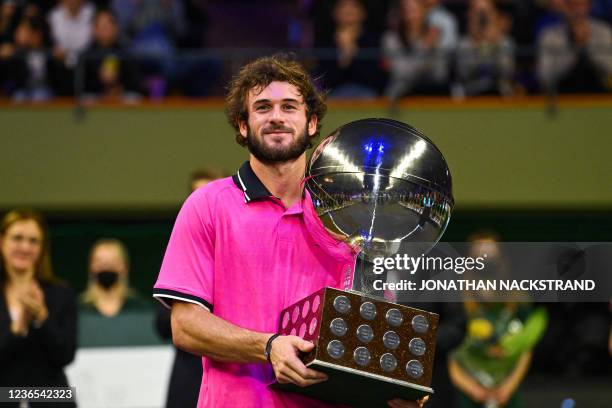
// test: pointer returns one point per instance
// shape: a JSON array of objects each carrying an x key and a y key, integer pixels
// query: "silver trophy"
[{"x": 384, "y": 187}]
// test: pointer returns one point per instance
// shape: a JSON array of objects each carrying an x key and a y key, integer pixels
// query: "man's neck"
[{"x": 283, "y": 180}]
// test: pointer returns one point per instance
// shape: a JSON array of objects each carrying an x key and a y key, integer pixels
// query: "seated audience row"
[
  {"x": 423, "y": 53},
  {"x": 128, "y": 49}
]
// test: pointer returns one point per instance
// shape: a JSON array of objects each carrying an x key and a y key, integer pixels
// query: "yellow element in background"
[{"x": 480, "y": 329}]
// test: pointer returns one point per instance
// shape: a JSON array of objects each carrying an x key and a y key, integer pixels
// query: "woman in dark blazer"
[{"x": 37, "y": 312}]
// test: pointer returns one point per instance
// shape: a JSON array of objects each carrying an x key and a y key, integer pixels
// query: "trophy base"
[{"x": 355, "y": 388}]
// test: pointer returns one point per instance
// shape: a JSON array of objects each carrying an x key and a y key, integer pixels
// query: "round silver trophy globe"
[{"x": 383, "y": 186}]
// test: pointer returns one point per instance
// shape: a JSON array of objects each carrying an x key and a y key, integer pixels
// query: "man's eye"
[
  {"x": 261, "y": 108},
  {"x": 289, "y": 107}
]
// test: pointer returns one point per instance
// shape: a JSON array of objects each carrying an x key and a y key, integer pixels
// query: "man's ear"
[
  {"x": 312, "y": 125},
  {"x": 242, "y": 127}
]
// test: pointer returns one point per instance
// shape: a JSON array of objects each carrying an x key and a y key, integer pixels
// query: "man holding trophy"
[{"x": 245, "y": 248}]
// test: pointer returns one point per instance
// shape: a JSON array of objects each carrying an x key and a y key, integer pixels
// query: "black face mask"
[{"x": 107, "y": 279}]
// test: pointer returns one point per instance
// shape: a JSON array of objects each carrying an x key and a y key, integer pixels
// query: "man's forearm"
[{"x": 198, "y": 331}]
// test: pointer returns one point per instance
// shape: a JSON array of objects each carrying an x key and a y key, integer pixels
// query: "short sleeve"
[{"x": 187, "y": 271}]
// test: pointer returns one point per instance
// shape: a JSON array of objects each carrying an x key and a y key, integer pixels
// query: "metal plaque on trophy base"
[{"x": 372, "y": 350}]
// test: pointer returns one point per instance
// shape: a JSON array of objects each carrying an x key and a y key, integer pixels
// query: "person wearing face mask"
[
  {"x": 38, "y": 318},
  {"x": 110, "y": 309}
]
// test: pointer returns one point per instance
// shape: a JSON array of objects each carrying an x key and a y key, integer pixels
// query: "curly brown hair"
[{"x": 257, "y": 75}]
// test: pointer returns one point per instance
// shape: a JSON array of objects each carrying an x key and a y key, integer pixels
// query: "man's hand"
[{"x": 287, "y": 365}]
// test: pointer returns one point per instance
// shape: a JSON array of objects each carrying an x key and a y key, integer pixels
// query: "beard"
[{"x": 270, "y": 155}]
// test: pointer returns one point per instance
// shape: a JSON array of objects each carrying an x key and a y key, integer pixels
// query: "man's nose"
[{"x": 276, "y": 114}]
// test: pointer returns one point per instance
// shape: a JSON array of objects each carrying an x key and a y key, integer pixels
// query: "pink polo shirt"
[{"x": 238, "y": 252}]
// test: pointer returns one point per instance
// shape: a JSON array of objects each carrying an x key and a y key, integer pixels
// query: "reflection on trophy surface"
[{"x": 386, "y": 188}]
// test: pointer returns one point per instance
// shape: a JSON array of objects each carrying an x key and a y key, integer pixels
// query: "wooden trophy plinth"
[{"x": 371, "y": 349}]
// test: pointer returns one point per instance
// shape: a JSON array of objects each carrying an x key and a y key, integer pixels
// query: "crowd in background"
[{"x": 130, "y": 49}]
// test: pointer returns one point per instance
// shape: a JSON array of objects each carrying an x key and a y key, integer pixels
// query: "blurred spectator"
[
  {"x": 37, "y": 312},
  {"x": 28, "y": 65},
  {"x": 444, "y": 21},
  {"x": 71, "y": 29},
  {"x": 349, "y": 73},
  {"x": 554, "y": 14},
  {"x": 202, "y": 177},
  {"x": 321, "y": 13},
  {"x": 12, "y": 12},
  {"x": 109, "y": 72},
  {"x": 576, "y": 56},
  {"x": 8, "y": 21},
  {"x": 495, "y": 356},
  {"x": 186, "y": 376},
  {"x": 108, "y": 292},
  {"x": 490, "y": 364},
  {"x": 153, "y": 27},
  {"x": 111, "y": 313},
  {"x": 414, "y": 53},
  {"x": 485, "y": 56},
  {"x": 300, "y": 25}
]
